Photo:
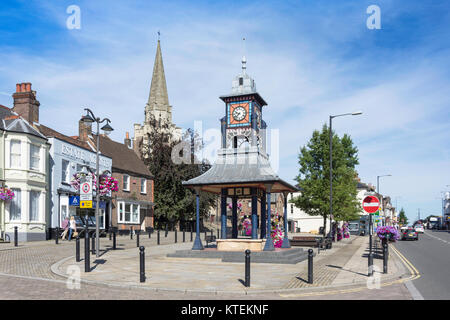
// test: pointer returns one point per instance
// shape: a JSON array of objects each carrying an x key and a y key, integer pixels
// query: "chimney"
[
  {"x": 84, "y": 129},
  {"x": 127, "y": 140},
  {"x": 25, "y": 103}
]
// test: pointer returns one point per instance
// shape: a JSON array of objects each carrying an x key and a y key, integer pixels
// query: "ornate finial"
[
  {"x": 159, "y": 34},
  {"x": 244, "y": 60}
]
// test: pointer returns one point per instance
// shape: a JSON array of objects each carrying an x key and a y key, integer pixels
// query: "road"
[{"x": 431, "y": 256}]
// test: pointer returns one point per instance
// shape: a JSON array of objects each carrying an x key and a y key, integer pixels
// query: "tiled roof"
[
  {"x": 50, "y": 133},
  {"x": 123, "y": 158},
  {"x": 10, "y": 121}
]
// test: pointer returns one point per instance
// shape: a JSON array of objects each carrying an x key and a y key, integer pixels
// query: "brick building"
[{"x": 132, "y": 204}]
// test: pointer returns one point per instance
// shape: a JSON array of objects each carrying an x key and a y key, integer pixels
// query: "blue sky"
[{"x": 309, "y": 59}]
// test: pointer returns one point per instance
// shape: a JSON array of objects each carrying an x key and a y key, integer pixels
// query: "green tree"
[
  {"x": 314, "y": 177},
  {"x": 173, "y": 202},
  {"x": 402, "y": 218}
]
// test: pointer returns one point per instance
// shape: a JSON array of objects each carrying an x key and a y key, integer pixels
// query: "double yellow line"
[{"x": 413, "y": 270}]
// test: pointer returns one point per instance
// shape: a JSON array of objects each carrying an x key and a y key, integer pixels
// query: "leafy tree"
[
  {"x": 173, "y": 202},
  {"x": 402, "y": 218},
  {"x": 314, "y": 177}
]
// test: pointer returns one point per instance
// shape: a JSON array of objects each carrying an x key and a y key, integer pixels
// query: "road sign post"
[{"x": 370, "y": 205}]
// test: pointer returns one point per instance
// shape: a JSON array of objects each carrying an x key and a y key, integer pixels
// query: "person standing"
[
  {"x": 72, "y": 226},
  {"x": 65, "y": 226}
]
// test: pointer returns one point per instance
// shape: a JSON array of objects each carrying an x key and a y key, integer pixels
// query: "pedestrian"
[
  {"x": 72, "y": 226},
  {"x": 65, "y": 226}
]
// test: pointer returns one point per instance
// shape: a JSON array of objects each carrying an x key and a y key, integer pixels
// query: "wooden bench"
[
  {"x": 210, "y": 239},
  {"x": 305, "y": 241}
]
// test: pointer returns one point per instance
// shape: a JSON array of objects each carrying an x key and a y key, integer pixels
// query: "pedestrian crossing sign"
[{"x": 86, "y": 204}]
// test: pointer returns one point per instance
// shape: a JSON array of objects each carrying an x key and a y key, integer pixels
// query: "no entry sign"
[{"x": 371, "y": 204}]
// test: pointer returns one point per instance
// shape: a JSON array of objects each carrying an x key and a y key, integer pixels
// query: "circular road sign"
[
  {"x": 371, "y": 204},
  {"x": 86, "y": 187}
]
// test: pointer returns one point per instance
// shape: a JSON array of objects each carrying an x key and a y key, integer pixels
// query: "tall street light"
[
  {"x": 378, "y": 191},
  {"x": 331, "y": 171},
  {"x": 90, "y": 118}
]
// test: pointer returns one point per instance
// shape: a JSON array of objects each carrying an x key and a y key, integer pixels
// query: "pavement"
[{"x": 339, "y": 273}]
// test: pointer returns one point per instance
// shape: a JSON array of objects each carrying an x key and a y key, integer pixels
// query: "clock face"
[{"x": 239, "y": 113}]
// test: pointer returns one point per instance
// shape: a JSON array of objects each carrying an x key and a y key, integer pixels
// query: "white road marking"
[
  {"x": 413, "y": 291},
  {"x": 437, "y": 238}
]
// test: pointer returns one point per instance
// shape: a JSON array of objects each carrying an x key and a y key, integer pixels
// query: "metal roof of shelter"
[{"x": 240, "y": 167}]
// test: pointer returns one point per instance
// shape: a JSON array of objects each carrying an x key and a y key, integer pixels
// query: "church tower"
[{"x": 157, "y": 106}]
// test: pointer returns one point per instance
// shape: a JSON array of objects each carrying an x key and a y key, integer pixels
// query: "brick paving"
[{"x": 25, "y": 273}]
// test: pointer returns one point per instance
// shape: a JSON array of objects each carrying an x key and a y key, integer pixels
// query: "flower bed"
[{"x": 6, "y": 194}]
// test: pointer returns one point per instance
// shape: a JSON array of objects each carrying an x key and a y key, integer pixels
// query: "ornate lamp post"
[
  {"x": 89, "y": 118},
  {"x": 331, "y": 171}
]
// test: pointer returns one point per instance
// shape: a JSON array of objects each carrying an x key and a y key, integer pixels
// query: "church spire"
[{"x": 158, "y": 99}]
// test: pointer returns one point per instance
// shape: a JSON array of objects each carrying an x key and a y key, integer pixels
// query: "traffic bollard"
[
  {"x": 16, "y": 237},
  {"x": 114, "y": 240},
  {"x": 149, "y": 234},
  {"x": 184, "y": 235},
  {"x": 176, "y": 236},
  {"x": 56, "y": 235},
  {"x": 87, "y": 267},
  {"x": 131, "y": 233},
  {"x": 77, "y": 249},
  {"x": 110, "y": 235},
  {"x": 310, "y": 266},
  {"x": 167, "y": 231},
  {"x": 158, "y": 237},
  {"x": 142, "y": 263},
  {"x": 385, "y": 258},
  {"x": 247, "y": 268},
  {"x": 218, "y": 235},
  {"x": 137, "y": 238},
  {"x": 93, "y": 243},
  {"x": 191, "y": 235}
]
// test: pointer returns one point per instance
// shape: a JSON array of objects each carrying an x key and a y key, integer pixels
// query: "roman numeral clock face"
[{"x": 238, "y": 114}]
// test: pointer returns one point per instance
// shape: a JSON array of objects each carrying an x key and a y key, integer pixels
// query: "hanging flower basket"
[
  {"x": 6, "y": 194},
  {"x": 107, "y": 183},
  {"x": 386, "y": 233}
]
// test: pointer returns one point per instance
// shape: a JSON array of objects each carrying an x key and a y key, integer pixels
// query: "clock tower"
[{"x": 243, "y": 125}]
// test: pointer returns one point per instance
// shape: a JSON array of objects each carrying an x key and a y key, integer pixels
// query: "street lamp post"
[
  {"x": 378, "y": 191},
  {"x": 89, "y": 118},
  {"x": 331, "y": 172}
]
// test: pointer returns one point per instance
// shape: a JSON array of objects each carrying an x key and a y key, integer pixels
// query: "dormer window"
[{"x": 241, "y": 81}]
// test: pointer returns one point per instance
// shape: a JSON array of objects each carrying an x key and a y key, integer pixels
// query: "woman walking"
[{"x": 72, "y": 226}]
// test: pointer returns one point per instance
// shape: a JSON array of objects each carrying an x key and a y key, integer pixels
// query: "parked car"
[
  {"x": 409, "y": 233},
  {"x": 419, "y": 228}
]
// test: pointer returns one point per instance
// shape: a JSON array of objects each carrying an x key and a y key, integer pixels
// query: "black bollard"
[
  {"x": 158, "y": 237},
  {"x": 218, "y": 235},
  {"x": 385, "y": 257},
  {"x": 110, "y": 235},
  {"x": 149, "y": 234},
  {"x": 142, "y": 263},
  {"x": 176, "y": 240},
  {"x": 16, "y": 237},
  {"x": 310, "y": 266},
  {"x": 131, "y": 233},
  {"x": 56, "y": 235},
  {"x": 191, "y": 235},
  {"x": 87, "y": 267},
  {"x": 93, "y": 243},
  {"x": 114, "y": 240},
  {"x": 184, "y": 235},
  {"x": 247, "y": 268},
  {"x": 137, "y": 238},
  {"x": 77, "y": 249},
  {"x": 167, "y": 231}
]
